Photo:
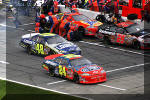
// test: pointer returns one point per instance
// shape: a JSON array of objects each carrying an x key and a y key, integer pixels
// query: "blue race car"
[{"x": 48, "y": 44}]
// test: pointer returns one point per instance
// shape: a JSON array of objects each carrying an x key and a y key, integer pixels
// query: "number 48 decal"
[
  {"x": 120, "y": 38},
  {"x": 39, "y": 48}
]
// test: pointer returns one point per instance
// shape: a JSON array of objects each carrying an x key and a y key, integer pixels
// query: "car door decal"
[
  {"x": 120, "y": 38},
  {"x": 62, "y": 70},
  {"x": 39, "y": 48}
]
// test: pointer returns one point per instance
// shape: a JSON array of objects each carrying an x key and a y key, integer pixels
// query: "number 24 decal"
[
  {"x": 62, "y": 70},
  {"x": 39, "y": 48},
  {"x": 120, "y": 38}
]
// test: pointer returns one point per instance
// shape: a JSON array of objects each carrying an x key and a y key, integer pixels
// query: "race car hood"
[
  {"x": 65, "y": 47},
  {"x": 92, "y": 23}
]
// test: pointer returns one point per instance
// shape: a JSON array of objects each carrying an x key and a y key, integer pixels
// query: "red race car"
[
  {"x": 74, "y": 67},
  {"x": 79, "y": 24}
]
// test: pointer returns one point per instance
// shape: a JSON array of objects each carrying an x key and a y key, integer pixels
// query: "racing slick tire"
[
  {"x": 29, "y": 50},
  {"x": 107, "y": 40},
  {"x": 76, "y": 36},
  {"x": 76, "y": 78},
  {"x": 137, "y": 45},
  {"x": 51, "y": 71},
  {"x": 81, "y": 33}
]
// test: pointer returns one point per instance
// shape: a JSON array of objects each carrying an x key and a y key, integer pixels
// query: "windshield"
[
  {"x": 140, "y": 33},
  {"x": 80, "y": 61},
  {"x": 55, "y": 40},
  {"x": 134, "y": 28},
  {"x": 80, "y": 17}
]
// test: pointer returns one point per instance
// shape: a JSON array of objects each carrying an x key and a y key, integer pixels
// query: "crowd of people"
[{"x": 47, "y": 7}]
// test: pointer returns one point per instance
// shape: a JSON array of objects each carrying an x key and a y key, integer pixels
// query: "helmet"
[
  {"x": 74, "y": 10},
  {"x": 42, "y": 16},
  {"x": 68, "y": 18},
  {"x": 55, "y": 3},
  {"x": 72, "y": 28},
  {"x": 50, "y": 13},
  {"x": 74, "y": 6},
  {"x": 11, "y": 6},
  {"x": 37, "y": 24}
]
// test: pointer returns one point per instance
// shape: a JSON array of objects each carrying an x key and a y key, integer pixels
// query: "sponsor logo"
[
  {"x": 64, "y": 46},
  {"x": 27, "y": 41},
  {"x": 51, "y": 63}
]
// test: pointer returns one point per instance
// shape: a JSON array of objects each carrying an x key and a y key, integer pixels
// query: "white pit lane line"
[
  {"x": 112, "y": 87},
  {"x": 96, "y": 44},
  {"x": 16, "y": 28},
  {"x": 26, "y": 24},
  {"x": 127, "y": 67},
  {"x": 56, "y": 82},
  {"x": 4, "y": 62}
]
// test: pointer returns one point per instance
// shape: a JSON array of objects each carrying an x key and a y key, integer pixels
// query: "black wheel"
[
  {"x": 29, "y": 50},
  {"x": 51, "y": 72},
  {"x": 76, "y": 78},
  {"x": 80, "y": 33},
  {"x": 137, "y": 45},
  {"x": 107, "y": 40}
]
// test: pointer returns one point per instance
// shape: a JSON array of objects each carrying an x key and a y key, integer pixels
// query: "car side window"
[
  {"x": 107, "y": 28},
  {"x": 57, "y": 60},
  {"x": 35, "y": 38},
  {"x": 113, "y": 29},
  {"x": 64, "y": 62},
  {"x": 41, "y": 40},
  {"x": 121, "y": 31}
]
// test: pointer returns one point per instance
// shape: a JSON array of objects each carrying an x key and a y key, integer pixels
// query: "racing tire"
[
  {"x": 137, "y": 45},
  {"x": 76, "y": 36},
  {"x": 51, "y": 72},
  {"x": 80, "y": 33},
  {"x": 76, "y": 78},
  {"x": 29, "y": 50},
  {"x": 107, "y": 41}
]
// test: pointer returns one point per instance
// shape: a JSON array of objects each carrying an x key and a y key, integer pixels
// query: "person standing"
[
  {"x": 53, "y": 22},
  {"x": 15, "y": 15},
  {"x": 25, "y": 7},
  {"x": 38, "y": 5}
]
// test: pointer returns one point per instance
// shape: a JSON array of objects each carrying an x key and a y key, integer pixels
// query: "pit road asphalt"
[{"x": 125, "y": 70}]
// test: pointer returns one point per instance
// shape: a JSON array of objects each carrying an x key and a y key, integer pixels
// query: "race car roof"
[
  {"x": 47, "y": 34},
  {"x": 71, "y": 56},
  {"x": 125, "y": 24}
]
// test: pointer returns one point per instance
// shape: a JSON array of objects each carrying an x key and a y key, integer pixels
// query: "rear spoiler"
[{"x": 52, "y": 56}]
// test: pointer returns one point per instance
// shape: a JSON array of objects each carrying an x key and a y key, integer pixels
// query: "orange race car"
[{"x": 76, "y": 25}]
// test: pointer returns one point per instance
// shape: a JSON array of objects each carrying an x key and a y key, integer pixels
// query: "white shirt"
[
  {"x": 39, "y": 3},
  {"x": 24, "y": 0}
]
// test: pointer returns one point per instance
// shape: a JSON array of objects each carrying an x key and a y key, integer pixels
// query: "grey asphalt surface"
[{"x": 27, "y": 68}]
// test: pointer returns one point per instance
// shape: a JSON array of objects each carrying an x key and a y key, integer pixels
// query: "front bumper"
[
  {"x": 93, "y": 79},
  {"x": 23, "y": 45}
]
